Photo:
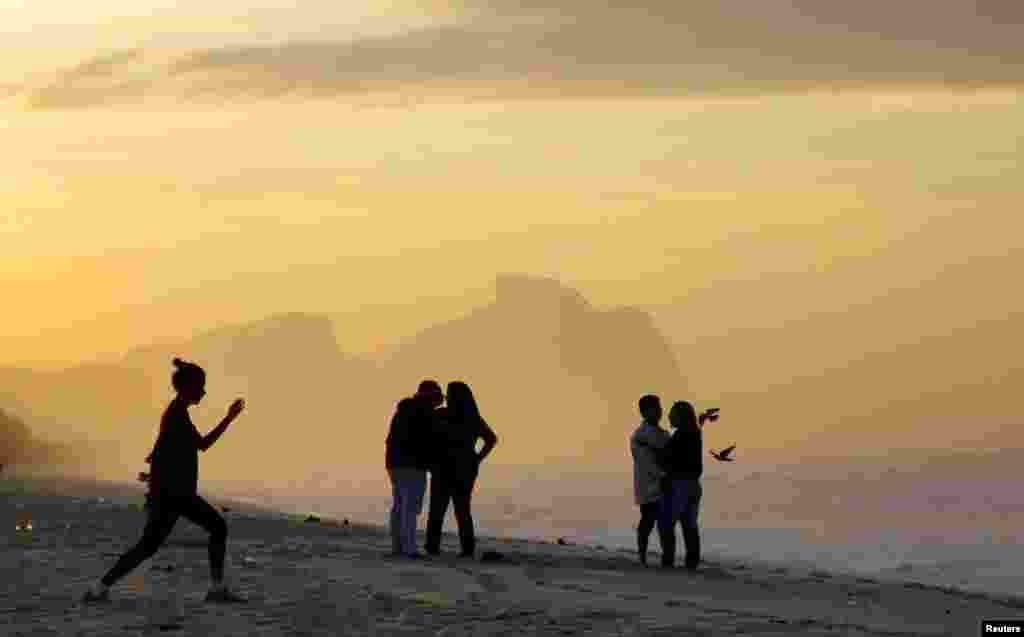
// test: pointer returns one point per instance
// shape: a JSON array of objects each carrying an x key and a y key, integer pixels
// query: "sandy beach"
[{"x": 333, "y": 578}]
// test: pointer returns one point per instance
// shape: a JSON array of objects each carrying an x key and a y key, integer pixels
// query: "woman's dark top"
[
  {"x": 175, "y": 459},
  {"x": 683, "y": 456},
  {"x": 457, "y": 440}
]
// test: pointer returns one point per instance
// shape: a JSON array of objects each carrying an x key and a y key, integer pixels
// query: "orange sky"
[{"x": 135, "y": 212}]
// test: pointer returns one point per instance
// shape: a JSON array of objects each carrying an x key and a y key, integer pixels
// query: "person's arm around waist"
[
  {"x": 658, "y": 443},
  {"x": 490, "y": 440}
]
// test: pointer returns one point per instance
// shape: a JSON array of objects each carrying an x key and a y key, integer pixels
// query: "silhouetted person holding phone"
[
  {"x": 683, "y": 462},
  {"x": 173, "y": 482},
  {"x": 645, "y": 444},
  {"x": 457, "y": 466},
  {"x": 407, "y": 458}
]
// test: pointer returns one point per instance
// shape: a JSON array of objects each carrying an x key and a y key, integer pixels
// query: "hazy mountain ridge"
[
  {"x": 545, "y": 361},
  {"x": 285, "y": 366},
  {"x": 91, "y": 400},
  {"x": 20, "y": 445},
  {"x": 542, "y": 361}
]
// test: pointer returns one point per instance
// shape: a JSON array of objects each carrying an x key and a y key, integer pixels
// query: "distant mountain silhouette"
[
  {"x": 307, "y": 400},
  {"x": 91, "y": 401},
  {"x": 20, "y": 446},
  {"x": 557, "y": 377},
  {"x": 288, "y": 367},
  {"x": 279, "y": 345},
  {"x": 14, "y": 436}
]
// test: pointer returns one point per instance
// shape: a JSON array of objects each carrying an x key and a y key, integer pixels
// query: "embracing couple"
[
  {"x": 426, "y": 437},
  {"x": 666, "y": 476}
]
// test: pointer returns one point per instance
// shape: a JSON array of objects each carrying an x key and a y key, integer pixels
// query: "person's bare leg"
[
  {"x": 160, "y": 522},
  {"x": 200, "y": 512}
]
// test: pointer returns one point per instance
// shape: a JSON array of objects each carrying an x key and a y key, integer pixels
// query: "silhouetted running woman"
[
  {"x": 173, "y": 481},
  {"x": 456, "y": 467}
]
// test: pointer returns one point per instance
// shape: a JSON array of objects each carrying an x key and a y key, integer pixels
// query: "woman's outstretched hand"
[
  {"x": 236, "y": 409},
  {"x": 709, "y": 415}
]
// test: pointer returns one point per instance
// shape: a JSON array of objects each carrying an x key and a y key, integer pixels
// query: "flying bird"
[{"x": 724, "y": 454}]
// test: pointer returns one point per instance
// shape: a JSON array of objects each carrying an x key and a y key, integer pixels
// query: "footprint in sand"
[
  {"x": 169, "y": 627},
  {"x": 533, "y": 572},
  {"x": 491, "y": 583},
  {"x": 577, "y": 588},
  {"x": 715, "y": 572}
]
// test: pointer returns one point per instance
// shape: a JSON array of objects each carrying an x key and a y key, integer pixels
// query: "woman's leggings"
[
  {"x": 163, "y": 514},
  {"x": 452, "y": 482}
]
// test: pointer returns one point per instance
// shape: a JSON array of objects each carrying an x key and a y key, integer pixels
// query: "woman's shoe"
[
  {"x": 92, "y": 597},
  {"x": 224, "y": 596}
]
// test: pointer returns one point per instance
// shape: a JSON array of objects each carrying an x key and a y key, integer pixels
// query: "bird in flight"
[{"x": 724, "y": 454}]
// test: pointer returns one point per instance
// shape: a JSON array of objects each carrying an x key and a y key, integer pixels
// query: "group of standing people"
[
  {"x": 667, "y": 468},
  {"x": 426, "y": 437}
]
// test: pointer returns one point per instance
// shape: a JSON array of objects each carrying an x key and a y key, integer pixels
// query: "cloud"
[{"x": 509, "y": 50}]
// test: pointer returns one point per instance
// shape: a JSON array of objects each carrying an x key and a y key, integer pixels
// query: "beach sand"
[{"x": 328, "y": 578}]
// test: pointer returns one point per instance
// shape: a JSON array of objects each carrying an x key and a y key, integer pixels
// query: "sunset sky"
[{"x": 332, "y": 163}]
